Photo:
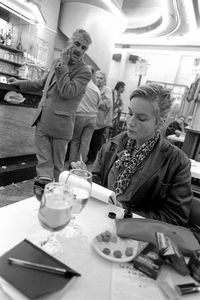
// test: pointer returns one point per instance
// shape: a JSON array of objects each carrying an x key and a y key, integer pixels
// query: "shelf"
[
  {"x": 10, "y": 74},
  {"x": 35, "y": 66},
  {"x": 11, "y": 62},
  {"x": 11, "y": 49}
]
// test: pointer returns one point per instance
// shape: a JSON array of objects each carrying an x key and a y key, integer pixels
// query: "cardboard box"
[{"x": 148, "y": 261}]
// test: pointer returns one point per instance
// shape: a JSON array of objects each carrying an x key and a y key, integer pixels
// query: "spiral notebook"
[{"x": 30, "y": 282}]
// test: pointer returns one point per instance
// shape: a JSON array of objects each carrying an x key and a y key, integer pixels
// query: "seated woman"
[{"x": 151, "y": 177}]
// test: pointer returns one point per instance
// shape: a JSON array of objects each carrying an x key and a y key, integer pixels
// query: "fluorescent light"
[
  {"x": 39, "y": 17},
  {"x": 25, "y": 10},
  {"x": 27, "y": 19}
]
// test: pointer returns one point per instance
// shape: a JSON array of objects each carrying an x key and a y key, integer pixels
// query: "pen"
[
  {"x": 81, "y": 157},
  {"x": 36, "y": 266}
]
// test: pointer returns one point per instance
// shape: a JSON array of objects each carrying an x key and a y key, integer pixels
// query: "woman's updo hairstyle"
[{"x": 159, "y": 96}]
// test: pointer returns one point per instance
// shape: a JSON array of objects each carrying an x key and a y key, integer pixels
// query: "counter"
[{"x": 16, "y": 134}]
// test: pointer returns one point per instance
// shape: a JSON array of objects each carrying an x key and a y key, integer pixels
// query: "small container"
[
  {"x": 194, "y": 264},
  {"x": 112, "y": 215}
]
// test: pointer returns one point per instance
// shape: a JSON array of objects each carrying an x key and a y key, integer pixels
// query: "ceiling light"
[{"x": 24, "y": 9}]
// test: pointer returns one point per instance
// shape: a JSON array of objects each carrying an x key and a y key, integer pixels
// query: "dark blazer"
[
  {"x": 63, "y": 89},
  {"x": 163, "y": 191}
]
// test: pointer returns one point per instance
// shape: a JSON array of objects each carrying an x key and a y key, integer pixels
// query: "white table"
[
  {"x": 195, "y": 169},
  {"x": 18, "y": 220},
  {"x": 176, "y": 138}
]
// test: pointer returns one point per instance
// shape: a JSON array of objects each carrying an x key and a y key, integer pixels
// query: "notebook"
[{"x": 34, "y": 283}]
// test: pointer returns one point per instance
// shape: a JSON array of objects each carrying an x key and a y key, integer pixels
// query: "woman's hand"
[
  {"x": 119, "y": 204},
  {"x": 79, "y": 165}
]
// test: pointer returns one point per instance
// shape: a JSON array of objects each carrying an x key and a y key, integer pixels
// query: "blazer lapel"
[
  {"x": 117, "y": 145},
  {"x": 51, "y": 80}
]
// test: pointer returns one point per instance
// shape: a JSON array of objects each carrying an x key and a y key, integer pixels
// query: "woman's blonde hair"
[{"x": 159, "y": 97}]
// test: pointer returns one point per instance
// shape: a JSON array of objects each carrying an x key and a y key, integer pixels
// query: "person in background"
[
  {"x": 63, "y": 89},
  {"x": 176, "y": 127},
  {"x": 150, "y": 176},
  {"x": 104, "y": 116},
  {"x": 117, "y": 103},
  {"x": 85, "y": 123}
]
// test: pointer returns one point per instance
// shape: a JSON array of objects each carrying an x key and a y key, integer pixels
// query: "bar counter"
[{"x": 16, "y": 134}]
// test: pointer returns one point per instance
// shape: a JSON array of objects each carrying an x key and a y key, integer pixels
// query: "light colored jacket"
[
  {"x": 105, "y": 112},
  {"x": 63, "y": 89},
  {"x": 90, "y": 101}
]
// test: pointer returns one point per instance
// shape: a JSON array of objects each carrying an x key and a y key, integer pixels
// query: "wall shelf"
[
  {"x": 12, "y": 49},
  {"x": 10, "y": 74},
  {"x": 11, "y": 62}
]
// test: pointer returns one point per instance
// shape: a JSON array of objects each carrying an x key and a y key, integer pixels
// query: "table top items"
[
  {"x": 145, "y": 230},
  {"x": 79, "y": 185},
  {"x": 39, "y": 185},
  {"x": 149, "y": 261},
  {"x": 34, "y": 282},
  {"x": 55, "y": 212},
  {"x": 14, "y": 97},
  {"x": 111, "y": 247},
  {"x": 101, "y": 278},
  {"x": 98, "y": 192}
]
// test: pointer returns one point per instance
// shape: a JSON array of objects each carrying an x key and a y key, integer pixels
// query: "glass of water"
[{"x": 79, "y": 185}]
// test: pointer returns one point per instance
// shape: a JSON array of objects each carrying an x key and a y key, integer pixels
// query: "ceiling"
[{"x": 174, "y": 21}]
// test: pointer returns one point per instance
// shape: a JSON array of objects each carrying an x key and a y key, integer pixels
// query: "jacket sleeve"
[
  {"x": 33, "y": 85},
  {"x": 99, "y": 165},
  {"x": 175, "y": 208},
  {"x": 71, "y": 87}
]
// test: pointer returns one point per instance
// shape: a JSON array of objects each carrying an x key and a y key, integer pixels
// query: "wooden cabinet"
[{"x": 16, "y": 134}]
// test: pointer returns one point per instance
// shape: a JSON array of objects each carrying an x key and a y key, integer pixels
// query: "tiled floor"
[
  {"x": 16, "y": 192},
  {"x": 19, "y": 191}
]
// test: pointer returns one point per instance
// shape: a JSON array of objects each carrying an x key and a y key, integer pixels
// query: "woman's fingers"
[
  {"x": 79, "y": 165},
  {"x": 118, "y": 203}
]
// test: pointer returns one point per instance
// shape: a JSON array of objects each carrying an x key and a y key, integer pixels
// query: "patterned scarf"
[{"x": 128, "y": 164}]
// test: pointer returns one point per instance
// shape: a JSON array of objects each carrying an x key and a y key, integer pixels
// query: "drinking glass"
[
  {"x": 39, "y": 185},
  {"x": 56, "y": 207},
  {"x": 54, "y": 214},
  {"x": 79, "y": 185}
]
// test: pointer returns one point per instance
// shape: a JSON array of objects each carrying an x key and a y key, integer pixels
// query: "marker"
[{"x": 36, "y": 266}]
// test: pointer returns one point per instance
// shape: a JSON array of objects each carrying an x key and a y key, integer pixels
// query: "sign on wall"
[
  {"x": 42, "y": 52},
  {"x": 196, "y": 66},
  {"x": 141, "y": 67}
]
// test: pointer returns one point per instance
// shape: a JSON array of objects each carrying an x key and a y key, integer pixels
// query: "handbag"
[{"x": 145, "y": 229}]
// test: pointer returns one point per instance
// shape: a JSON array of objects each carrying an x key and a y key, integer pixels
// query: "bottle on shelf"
[
  {"x": 2, "y": 40},
  {"x": 19, "y": 45},
  {"x": 9, "y": 38}
]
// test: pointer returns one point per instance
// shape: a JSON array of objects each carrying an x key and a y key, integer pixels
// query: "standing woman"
[{"x": 104, "y": 117}]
